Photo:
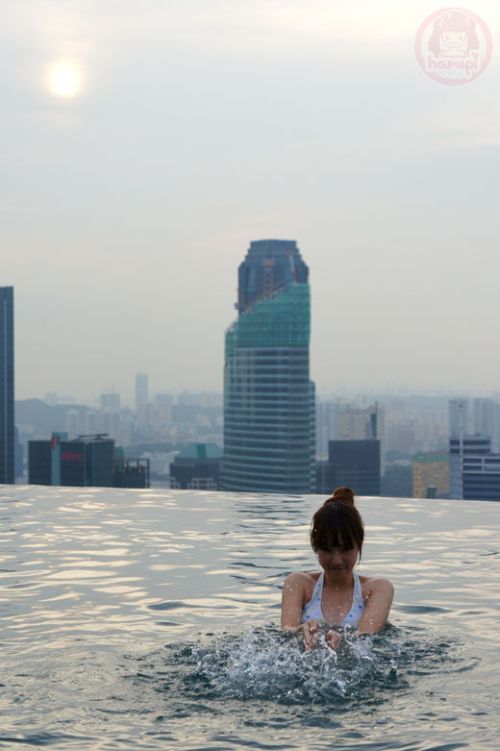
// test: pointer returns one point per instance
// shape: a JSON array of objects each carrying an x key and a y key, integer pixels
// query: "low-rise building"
[
  {"x": 86, "y": 461},
  {"x": 431, "y": 475},
  {"x": 197, "y": 467},
  {"x": 464, "y": 451}
]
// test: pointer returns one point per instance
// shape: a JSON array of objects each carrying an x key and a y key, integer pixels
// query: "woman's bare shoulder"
[
  {"x": 303, "y": 579},
  {"x": 374, "y": 584}
]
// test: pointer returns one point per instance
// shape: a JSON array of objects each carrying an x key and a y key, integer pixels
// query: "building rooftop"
[{"x": 201, "y": 451}]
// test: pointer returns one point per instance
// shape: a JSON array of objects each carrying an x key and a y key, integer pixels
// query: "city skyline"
[
  {"x": 144, "y": 165},
  {"x": 361, "y": 397}
]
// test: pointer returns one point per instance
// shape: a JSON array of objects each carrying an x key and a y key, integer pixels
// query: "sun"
[{"x": 64, "y": 79}]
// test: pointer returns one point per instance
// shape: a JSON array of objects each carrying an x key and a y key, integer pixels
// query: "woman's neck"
[{"x": 340, "y": 582}]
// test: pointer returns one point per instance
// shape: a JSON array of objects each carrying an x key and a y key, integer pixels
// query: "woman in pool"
[{"x": 337, "y": 595}]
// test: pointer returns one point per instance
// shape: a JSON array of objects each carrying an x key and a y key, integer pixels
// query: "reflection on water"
[{"x": 148, "y": 620}]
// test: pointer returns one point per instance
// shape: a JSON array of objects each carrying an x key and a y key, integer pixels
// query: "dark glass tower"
[
  {"x": 356, "y": 464},
  {"x": 269, "y": 432},
  {"x": 7, "y": 434}
]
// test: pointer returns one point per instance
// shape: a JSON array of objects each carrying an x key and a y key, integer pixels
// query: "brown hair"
[{"x": 338, "y": 523}]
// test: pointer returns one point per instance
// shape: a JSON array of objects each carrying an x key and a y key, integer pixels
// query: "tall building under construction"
[{"x": 269, "y": 403}]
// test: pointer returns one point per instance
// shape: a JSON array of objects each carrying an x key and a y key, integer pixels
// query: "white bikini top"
[{"x": 312, "y": 609}]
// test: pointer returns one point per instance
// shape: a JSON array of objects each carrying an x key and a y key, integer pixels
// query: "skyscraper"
[
  {"x": 269, "y": 412},
  {"x": 141, "y": 391},
  {"x": 7, "y": 434}
]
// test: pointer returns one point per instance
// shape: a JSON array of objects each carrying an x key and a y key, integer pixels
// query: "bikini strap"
[
  {"x": 318, "y": 586},
  {"x": 358, "y": 591}
]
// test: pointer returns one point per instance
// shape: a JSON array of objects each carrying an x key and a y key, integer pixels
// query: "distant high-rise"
[
  {"x": 7, "y": 434},
  {"x": 458, "y": 417},
  {"x": 269, "y": 403},
  {"x": 486, "y": 414},
  {"x": 74, "y": 423},
  {"x": 141, "y": 391},
  {"x": 348, "y": 422},
  {"x": 326, "y": 421},
  {"x": 110, "y": 402}
]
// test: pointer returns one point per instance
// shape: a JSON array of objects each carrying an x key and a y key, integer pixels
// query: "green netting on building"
[
  {"x": 431, "y": 458},
  {"x": 282, "y": 320}
]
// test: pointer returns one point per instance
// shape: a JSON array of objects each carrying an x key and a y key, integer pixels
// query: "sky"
[{"x": 147, "y": 142}]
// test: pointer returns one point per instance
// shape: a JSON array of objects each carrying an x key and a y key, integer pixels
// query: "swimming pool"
[{"x": 147, "y": 620}]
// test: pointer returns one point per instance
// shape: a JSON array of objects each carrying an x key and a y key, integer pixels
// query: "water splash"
[
  {"x": 265, "y": 663},
  {"x": 268, "y": 665}
]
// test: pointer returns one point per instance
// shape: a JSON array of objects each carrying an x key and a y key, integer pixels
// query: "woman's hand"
[
  {"x": 333, "y": 639},
  {"x": 310, "y": 633}
]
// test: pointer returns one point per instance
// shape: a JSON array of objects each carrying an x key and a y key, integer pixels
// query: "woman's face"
[{"x": 338, "y": 560}]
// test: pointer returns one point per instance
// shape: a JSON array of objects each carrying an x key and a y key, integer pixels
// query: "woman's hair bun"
[
  {"x": 341, "y": 495},
  {"x": 337, "y": 524}
]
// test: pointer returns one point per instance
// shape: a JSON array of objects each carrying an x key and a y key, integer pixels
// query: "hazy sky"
[{"x": 135, "y": 176}]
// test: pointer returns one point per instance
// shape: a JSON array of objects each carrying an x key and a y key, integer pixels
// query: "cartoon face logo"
[
  {"x": 453, "y": 46},
  {"x": 454, "y": 39},
  {"x": 453, "y": 35}
]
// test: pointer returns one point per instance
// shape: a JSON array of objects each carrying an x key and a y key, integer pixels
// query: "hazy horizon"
[
  {"x": 131, "y": 193},
  {"x": 360, "y": 398}
]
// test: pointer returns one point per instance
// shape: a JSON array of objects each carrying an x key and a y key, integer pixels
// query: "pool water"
[{"x": 149, "y": 620}]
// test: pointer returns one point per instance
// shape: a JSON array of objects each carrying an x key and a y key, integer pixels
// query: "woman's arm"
[
  {"x": 377, "y": 608},
  {"x": 292, "y": 600},
  {"x": 293, "y": 597}
]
